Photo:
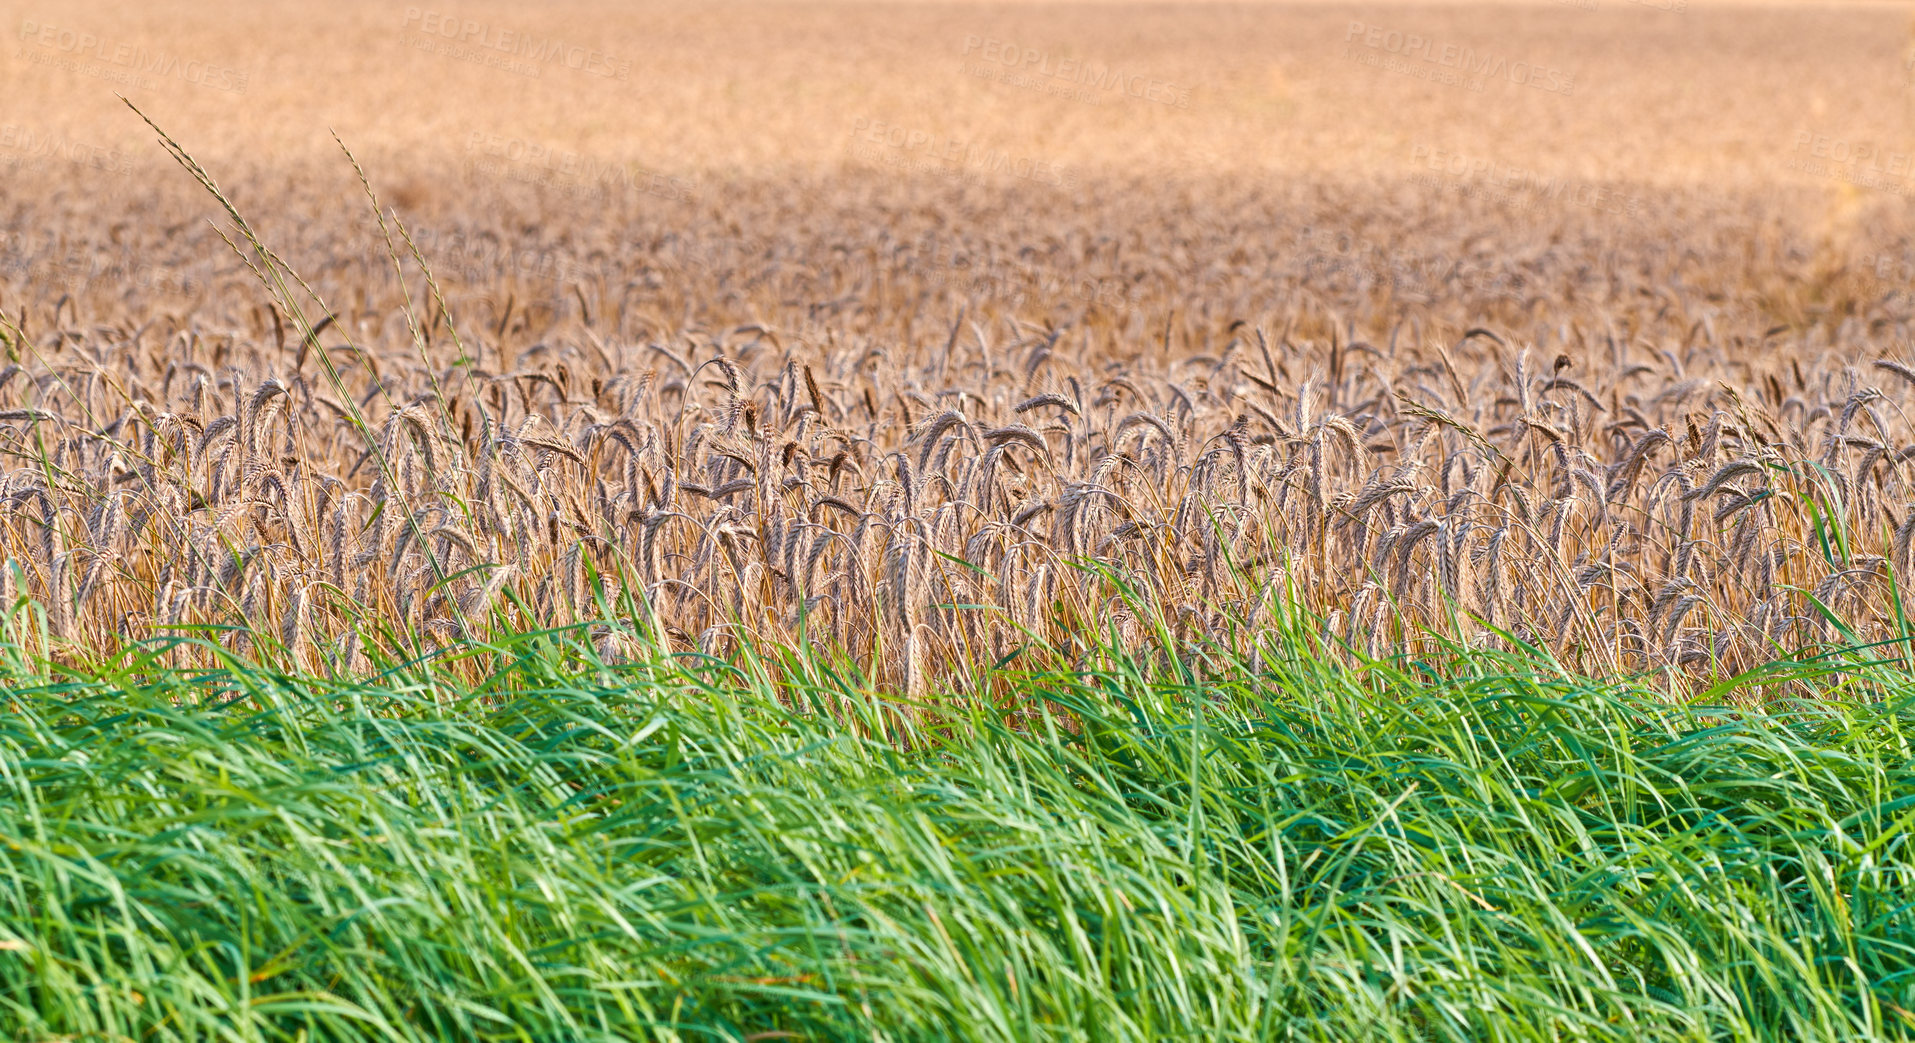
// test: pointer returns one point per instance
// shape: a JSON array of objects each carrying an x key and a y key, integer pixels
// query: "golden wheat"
[
  {"x": 930, "y": 421},
  {"x": 929, "y": 497}
]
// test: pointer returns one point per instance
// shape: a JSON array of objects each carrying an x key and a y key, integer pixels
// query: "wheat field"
[
  {"x": 1122, "y": 520},
  {"x": 758, "y": 348}
]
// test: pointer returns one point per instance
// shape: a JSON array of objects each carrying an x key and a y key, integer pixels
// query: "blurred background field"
[{"x": 1710, "y": 95}]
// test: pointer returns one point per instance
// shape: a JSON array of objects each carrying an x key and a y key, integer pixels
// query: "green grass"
[{"x": 1485, "y": 850}]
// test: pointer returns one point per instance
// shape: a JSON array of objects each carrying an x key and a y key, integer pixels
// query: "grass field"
[
  {"x": 570, "y": 850},
  {"x": 953, "y": 520}
]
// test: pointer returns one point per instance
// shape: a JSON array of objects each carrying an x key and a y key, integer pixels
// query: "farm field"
[{"x": 951, "y": 520}]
